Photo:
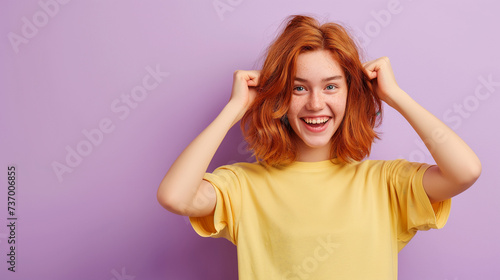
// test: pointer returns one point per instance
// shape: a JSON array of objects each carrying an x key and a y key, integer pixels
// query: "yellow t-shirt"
[{"x": 320, "y": 220}]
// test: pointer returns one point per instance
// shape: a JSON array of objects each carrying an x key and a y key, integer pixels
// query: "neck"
[{"x": 309, "y": 154}]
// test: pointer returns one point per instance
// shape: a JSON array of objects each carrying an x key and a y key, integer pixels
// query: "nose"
[{"x": 316, "y": 101}]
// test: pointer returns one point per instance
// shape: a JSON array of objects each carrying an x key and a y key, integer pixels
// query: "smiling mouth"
[{"x": 316, "y": 122}]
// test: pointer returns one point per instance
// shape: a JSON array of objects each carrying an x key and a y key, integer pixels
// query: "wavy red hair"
[{"x": 267, "y": 132}]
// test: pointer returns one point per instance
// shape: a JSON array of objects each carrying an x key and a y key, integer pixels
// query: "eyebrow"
[{"x": 337, "y": 77}]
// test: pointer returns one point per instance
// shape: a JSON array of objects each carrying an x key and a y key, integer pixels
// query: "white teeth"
[{"x": 316, "y": 120}]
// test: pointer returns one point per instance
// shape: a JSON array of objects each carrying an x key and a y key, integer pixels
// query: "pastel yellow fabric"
[{"x": 320, "y": 220}]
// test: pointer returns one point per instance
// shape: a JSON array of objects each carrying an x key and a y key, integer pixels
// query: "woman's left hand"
[{"x": 385, "y": 83}]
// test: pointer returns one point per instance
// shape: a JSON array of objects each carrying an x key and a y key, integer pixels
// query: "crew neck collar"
[{"x": 305, "y": 165}]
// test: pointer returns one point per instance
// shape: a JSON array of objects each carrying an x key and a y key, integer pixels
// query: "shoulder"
[
  {"x": 381, "y": 163},
  {"x": 244, "y": 168},
  {"x": 397, "y": 168},
  {"x": 381, "y": 166}
]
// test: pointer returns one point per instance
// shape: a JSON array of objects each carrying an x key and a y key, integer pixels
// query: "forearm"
[
  {"x": 455, "y": 159},
  {"x": 183, "y": 179},
  {"x": 457, "y": 165}
]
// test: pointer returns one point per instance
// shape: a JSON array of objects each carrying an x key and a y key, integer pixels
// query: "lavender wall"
[{"x": 99, "y": 97}]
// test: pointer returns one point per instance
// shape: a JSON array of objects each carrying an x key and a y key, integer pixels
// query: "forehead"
[{"x": 318, "y": 64}]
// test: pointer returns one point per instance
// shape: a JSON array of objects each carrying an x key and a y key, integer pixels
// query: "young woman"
[{"x": 311, "y": 207}]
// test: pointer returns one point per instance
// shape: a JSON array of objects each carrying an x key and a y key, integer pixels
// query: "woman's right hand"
[{"x": 244, "y": 89}]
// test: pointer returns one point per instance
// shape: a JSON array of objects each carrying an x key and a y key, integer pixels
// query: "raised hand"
[
  {"x": 385, "y": 83},
  {"x": 457, "y": 166},
  {"x": 244, "y": 89}
]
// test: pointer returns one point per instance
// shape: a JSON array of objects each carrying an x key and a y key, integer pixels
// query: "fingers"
[
  {"x": 370, "y": 70},
  {"x": 377, "y": 63},
  {"x": 254, "y": 78},
  {"x": 371, "y": 74},
  {"x": 250, "y": 76},
  {"x": 374, "y": 66}
]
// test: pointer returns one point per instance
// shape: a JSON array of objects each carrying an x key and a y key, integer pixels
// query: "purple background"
[{"x": 102, "y": 220}]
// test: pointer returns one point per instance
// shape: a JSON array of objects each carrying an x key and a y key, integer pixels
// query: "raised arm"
[
  {"x": 458, "y": 167},
  {"x": 183, "y": 190}
]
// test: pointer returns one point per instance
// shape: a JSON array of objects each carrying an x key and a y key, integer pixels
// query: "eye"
[
  {"x": 299, "y": 88},
  {"x": 331, "y": 87}
]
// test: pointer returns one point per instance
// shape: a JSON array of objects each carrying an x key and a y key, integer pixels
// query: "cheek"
[
  {"x": 294, "y": 109},
  {"x": 338, "y": 105},
  {"x": 341, "y": 102}
]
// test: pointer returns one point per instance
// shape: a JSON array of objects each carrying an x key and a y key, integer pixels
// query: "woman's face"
[{"x": 318, "y": 103}]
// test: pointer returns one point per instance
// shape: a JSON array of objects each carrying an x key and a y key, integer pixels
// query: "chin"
[{"x": 317, "y": 144}]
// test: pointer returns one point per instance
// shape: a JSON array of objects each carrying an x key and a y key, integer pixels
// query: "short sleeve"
[
  {"x": 224, "y": 221},
  {"x": 410, "y": 202}
]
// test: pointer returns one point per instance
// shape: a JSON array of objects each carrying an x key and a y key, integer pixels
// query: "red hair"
[{"x": 269, "y": 136}]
